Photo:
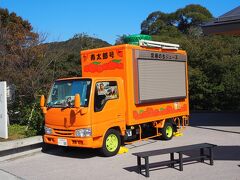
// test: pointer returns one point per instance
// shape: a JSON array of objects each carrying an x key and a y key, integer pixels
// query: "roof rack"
[{"x": 162, "y": 45}]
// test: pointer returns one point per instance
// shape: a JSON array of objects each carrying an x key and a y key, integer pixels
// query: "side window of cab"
[{"x": 104, "y": 91}]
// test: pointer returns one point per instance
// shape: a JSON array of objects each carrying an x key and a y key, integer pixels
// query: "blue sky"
[{"x": 105, "y": 19}]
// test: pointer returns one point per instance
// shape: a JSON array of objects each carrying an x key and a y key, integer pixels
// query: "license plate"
[{"x": 62, "y": 142}]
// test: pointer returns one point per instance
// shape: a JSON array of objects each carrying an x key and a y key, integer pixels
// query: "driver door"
[{"x": 107, "y": 107}]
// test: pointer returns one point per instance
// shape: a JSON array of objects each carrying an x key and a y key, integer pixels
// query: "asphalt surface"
[{"x": 222, "y": 129}]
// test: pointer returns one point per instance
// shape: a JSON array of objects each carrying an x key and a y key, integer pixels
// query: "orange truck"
[{"x": 127, "y": 92}]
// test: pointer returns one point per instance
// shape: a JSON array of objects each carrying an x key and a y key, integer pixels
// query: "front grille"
[{"x": 63, "y": 132}]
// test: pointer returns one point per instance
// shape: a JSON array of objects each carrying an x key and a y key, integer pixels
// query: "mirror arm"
[
  {"x": 44, "y": 110},
  {"x": 83, "y": 110}
]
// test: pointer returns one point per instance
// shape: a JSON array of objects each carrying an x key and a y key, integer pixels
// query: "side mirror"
[
  {"x": 42, "y": 101},
  {"x": 42, "y": 104},
  {"x": 77, "y": 101}
]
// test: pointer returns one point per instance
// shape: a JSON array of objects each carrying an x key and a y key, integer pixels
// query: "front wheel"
[
  {"x": 167, "y": 131},
  {"x": 111, "y": 143}
]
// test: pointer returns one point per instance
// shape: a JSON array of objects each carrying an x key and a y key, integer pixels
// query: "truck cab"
[{"x": 101, "y": 107}]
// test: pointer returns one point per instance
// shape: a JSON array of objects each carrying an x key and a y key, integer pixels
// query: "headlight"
[
  {"x": 47, "y": 130},
  {"x": 85, "y": 132}
]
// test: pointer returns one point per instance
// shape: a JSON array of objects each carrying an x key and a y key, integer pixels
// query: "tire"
[
  {"x": 47, "y": 147},
  {"x": 167, "y": 131},
  {"x": 111, "y": 143}
]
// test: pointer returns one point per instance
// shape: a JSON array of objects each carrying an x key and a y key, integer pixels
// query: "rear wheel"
[
  {"x": 167, "y": 131},
  {"x": 111, "y": 143}
]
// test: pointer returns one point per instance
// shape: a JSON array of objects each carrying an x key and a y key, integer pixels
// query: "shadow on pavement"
[
  {"x": 156, "y": 166},
  {"x": 220, "y": 130},
  {"x": 149, "y": 141},
  {"x": 224, "y": 153},
  {"x": 82, "y": 153},
  {"x": 72, "y": 152},
  {"x": 215, "y": 119}
]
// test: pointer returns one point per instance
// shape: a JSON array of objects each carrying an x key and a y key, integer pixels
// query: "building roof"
[
  {"x": 234, "y": 12},
  {"x": 228, "y": 23}
]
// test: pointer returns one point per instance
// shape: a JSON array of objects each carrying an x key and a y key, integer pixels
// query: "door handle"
[{"x": 120, "y": 116}]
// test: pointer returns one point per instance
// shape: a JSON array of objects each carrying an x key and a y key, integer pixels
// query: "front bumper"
[{"x": 87, "y": 142}]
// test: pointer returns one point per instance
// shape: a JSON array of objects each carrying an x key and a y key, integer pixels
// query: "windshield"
[{"x": 63, "y": 93}]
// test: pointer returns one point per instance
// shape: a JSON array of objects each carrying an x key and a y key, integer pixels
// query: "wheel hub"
[
  {"x": 169, "y": 131},
  {"x": 112, "y": 142}
]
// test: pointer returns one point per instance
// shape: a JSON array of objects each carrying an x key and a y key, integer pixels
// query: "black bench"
[{"x": 180, "y": 150}]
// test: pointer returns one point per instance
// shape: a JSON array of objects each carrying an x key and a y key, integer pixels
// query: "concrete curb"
[
  {"x": 20, "y": 147},
  {"x": 6, "y": 145}
]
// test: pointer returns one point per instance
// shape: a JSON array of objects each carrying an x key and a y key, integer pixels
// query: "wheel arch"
[
  {"x": 117, "y": 128},
  {"x": 171, "y": 120},
  {"x": 104, "y": 148}
]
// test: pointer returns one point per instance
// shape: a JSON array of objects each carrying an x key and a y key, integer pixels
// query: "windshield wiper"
[{"x": 54, "y": 105}]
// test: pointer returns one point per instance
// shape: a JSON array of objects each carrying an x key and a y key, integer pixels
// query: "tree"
[
  {"x": 19, "y": 53},
  {"x": 22, "y": 63},
  {"x": 214, "y": 79},
  {"x": 151, "y": 24},
  {"x": 185, "y": 19},
  {"x": 120, "y": 39},
  {"x": 156, "y": 23},
  {"x": 190, "y": 16}
]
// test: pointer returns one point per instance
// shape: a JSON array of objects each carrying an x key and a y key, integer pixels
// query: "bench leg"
[
  {"x": 202, "y": 154},
  {"x": 211, "y": 156},
  {"x": 172, "y": 159},
  {"x": 180, "y": 162},
  {"x": 139, "y": 165},
  {"x": 147, "y": 166}
]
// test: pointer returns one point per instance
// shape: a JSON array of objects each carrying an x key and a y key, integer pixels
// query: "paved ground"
[{"x": 221, "y": 129}]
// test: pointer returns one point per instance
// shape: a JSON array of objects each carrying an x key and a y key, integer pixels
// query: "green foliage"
[
  {"x": 190, "y": 16},
  {"x": 27, "y": 114},
  {"x": 121, "y": 39},
  {"x": 183, "y": 20},
  {"x": 17, "y": 131},
  {"x": 32, "y": 66},
  {"x": 32, "y": 116},
  {"x": 66, "y": 54}
]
